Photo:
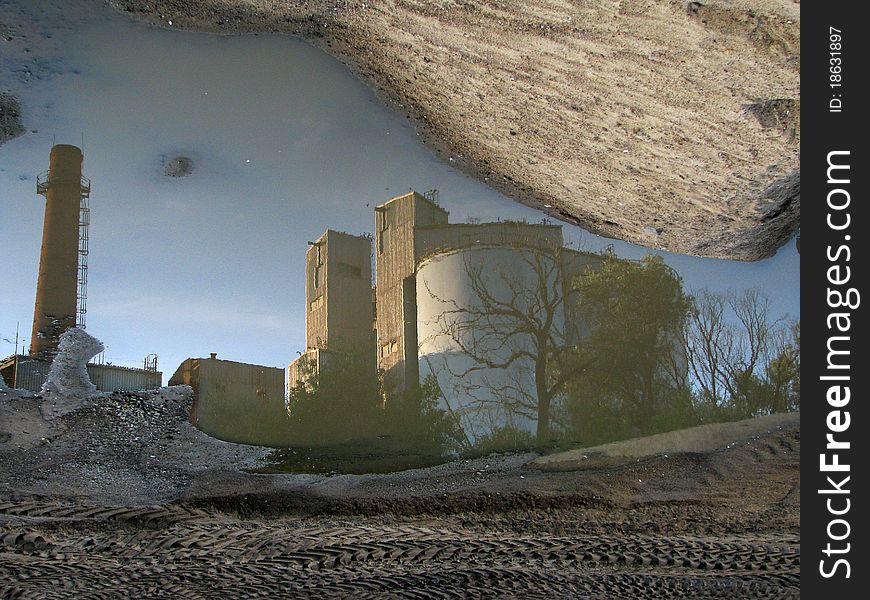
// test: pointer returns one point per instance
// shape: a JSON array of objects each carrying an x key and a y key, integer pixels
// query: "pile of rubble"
[{"x": 121, "y": 447}]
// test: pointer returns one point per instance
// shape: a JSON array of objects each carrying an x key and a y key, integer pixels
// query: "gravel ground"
[
  {"x": 123, "y": 496},
  {"x": 668, "y": 123},
  {"x": 120, "y": 448}
]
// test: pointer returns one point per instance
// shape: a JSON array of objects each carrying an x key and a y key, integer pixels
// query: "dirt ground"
[
  {"x": 123, "y": 496},
  {"x": 669, "y": 123}
]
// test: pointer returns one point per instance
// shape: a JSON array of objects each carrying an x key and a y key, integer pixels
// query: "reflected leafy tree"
[
  {"x": 414, "y": 423},
  {"x": 634, "y": 376},
  {"x": 344, "y": 403},
  {"x": 341, "y": 402},
  {"x": 782, "y": 383}
]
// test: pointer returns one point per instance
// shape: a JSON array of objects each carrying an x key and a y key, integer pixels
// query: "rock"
[
  {"x": 10, "y": 118},
  {"x": 67, "y": 385},
  {"x": 177, "y": 166}
]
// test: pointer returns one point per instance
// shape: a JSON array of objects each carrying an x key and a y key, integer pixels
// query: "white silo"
[{"x": 483, "y": 314}]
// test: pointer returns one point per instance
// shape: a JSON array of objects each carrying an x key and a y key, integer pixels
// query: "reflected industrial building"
[
  {"x": 340, "y": 300},
  {"x": 476, "y": 306},
  {"x": 61, "y": 290},
  {"x": 428, "y": 313},
  {"x": 235, "y": 401}
]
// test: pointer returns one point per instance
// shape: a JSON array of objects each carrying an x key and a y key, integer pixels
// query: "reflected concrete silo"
[
  {"x": 60, "y": 272},
  {"x": 473, "y": 338}
]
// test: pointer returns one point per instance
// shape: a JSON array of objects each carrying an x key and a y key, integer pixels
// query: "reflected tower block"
[
  {"x": 338, "y": 291},
  {"x": 66, "y": 193},
  {"x": 396, "y": 261},
  {"x": 339, "y": 313}
]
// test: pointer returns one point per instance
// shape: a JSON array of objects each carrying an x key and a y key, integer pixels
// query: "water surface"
[{"x": 284, "y": 143}]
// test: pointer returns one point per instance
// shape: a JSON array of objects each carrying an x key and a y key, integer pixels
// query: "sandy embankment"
[
  {"x": 670, "y": 124},
  {"x": 700, "y": 439},
  {"x": 127, "y": 448}
]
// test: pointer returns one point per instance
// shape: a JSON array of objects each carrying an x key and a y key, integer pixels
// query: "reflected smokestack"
[{"x": 55, "y": 309}]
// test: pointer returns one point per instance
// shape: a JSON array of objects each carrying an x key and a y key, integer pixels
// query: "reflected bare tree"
[
  {"x": 742, "y": 360},
  {"x": 513, "y": 331},
  {"x": 611, "y": 351}
]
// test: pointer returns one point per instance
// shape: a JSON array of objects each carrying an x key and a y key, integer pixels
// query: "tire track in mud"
[
  {"x": 102, "y": 552},
  {"x": 432, "y": 581},
  {"x": 56, "y": 511},
  {"x": 312, "y": 551}
]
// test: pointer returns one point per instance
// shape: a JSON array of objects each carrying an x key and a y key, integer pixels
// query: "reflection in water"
[
  {"x": 354, "y": 459},
  {"x": 207, "y": 256},
  {"x": 210, "y": 260},
  {"x": 494, "y": 336}
]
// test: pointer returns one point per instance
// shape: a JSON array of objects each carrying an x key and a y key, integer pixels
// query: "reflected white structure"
[{"x": 489, "y": 318}]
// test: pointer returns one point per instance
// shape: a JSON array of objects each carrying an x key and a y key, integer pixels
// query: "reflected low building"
[
  {"x": 307, "y": 363},
  {"x": 29, "y": 373},
  {"x": 236, "y": 402}
]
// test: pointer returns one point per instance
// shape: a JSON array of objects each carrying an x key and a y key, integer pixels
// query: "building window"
[
  {"x": 383, "y": 232},
  {"x": 389, "y": 348},
  {"x": 348, "y": 270},
  {"x": 318, "y": 264}
]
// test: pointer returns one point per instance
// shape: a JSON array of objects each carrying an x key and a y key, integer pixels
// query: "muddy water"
[{"x": 214, "y": 161}]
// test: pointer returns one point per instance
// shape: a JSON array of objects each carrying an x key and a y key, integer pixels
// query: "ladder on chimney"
[
  {"x": 42, "y": 184},
  {"x": 84, "y": 223}
]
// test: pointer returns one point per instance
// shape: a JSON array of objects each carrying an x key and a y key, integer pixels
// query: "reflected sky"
[{"x": 285, "y": 143}]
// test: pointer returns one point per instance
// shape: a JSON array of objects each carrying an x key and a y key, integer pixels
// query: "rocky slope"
[{"x": 667, "y": 123}]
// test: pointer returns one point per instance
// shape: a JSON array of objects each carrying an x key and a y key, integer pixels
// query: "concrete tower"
[
  {"x": 339, "y": 317},
  {"x": 338, "y": 290},
  {"x": 56, "y": 290},
  {"x": 395, "y": 264}
]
